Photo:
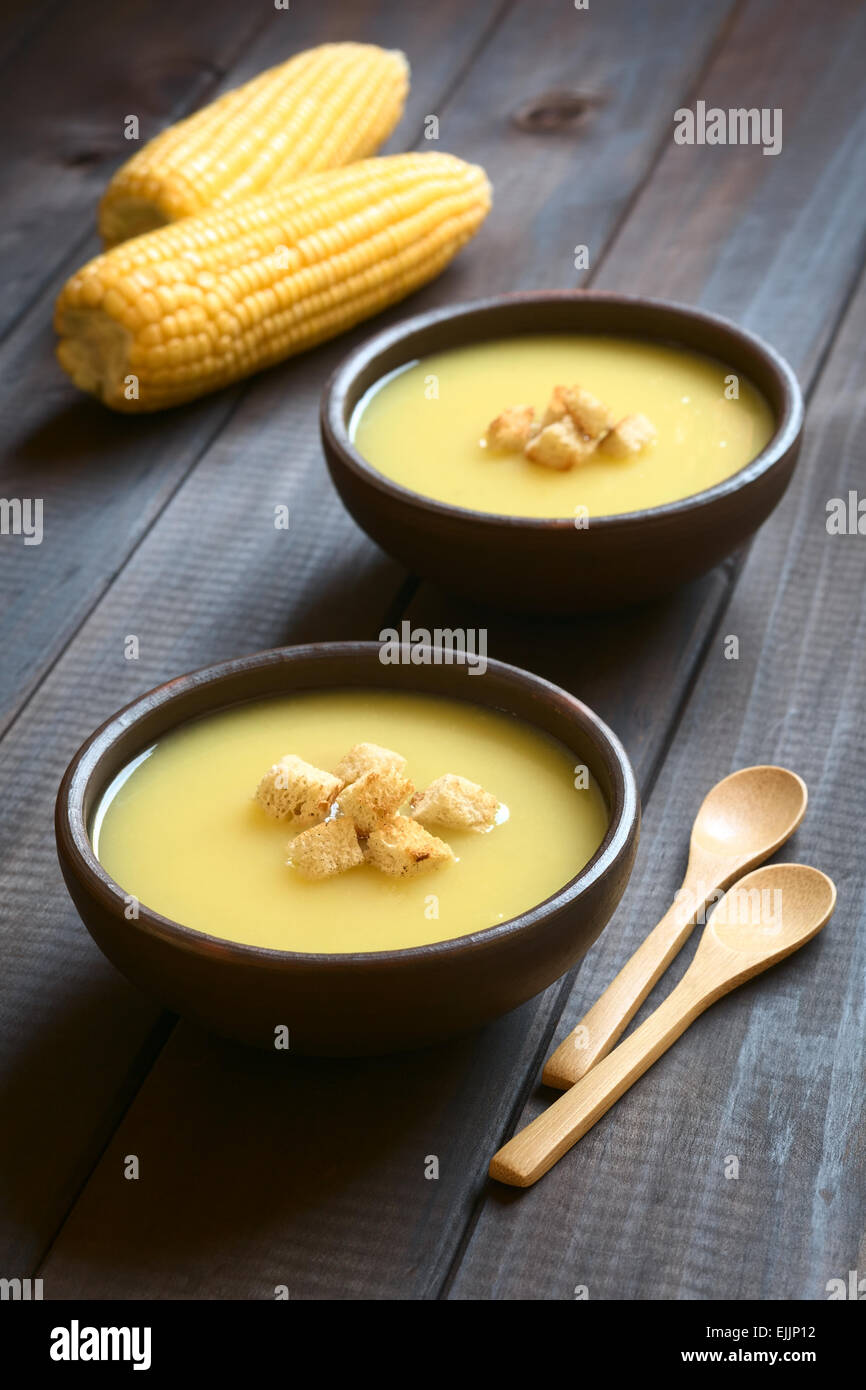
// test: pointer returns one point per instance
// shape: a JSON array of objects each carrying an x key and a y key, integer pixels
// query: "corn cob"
[
  {"x": 322, "y": 109},
  {"x": 194, "y": 306}
]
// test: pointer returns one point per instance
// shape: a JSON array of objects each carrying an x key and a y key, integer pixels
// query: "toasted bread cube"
[
  {"x": 559, "y": 446},
  {"x": 556, "y": 408},
  {"x": 367, "y": 757},
  {"x": 327, "y": 849},
  {"x": 402, "y": 848},
  {"x": 591, "y": 416},
  {"x": 632, "y": 434},
  {"x": 511, "y": 430},
  {"x": 296, "y": 791},
  {"x": 375, "y": 797},
  {"x": 456, "y": 803}
]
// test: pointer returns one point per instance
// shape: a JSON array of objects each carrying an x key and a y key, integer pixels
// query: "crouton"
[
  {"x": 374, "y": 797},
  {"x": 402, "y": 848},
  {"x": 591, "y": 416},
  {"x": 632, "y": 434},
  {"x": 559, "y": 446},
  {"x": 327, "y": 849},
  {"x": 556, "y": 408},
  {"x": 455, "y": 802},
  {"x": 297, "y": 791},
  {"x": 367, "y": 757},
  {"x": 511, "y": 430}
]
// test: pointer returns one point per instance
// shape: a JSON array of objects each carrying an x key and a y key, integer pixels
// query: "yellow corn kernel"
[
  {"x": 322, "y": 109},
  {"x": 358, "y": 239}
]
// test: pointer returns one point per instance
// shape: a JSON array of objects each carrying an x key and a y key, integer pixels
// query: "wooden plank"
[
  {"x": 63, "y": 122},
  {"x": 746, "y": 251},
  {"x": 20, "y": 20},
  {"x": 103, "y": 478},
  {"x": 762, "y": 238},
  {"x": 180, "y": 596},
  {"x": 766, "y": 235},
  {"x": 380, "y": 1237},
  {"x": 187, "y": 608},
  {"x": 740, "y": 250},
  {"x": 309, "y": 1175},
  {"x": 62, "y": 115},
  {"x": 621, "y": 663},
  {"x": 367, "y": 1243},
  {"x": 447, "y": 1096},
  {"x": 773, "y": 1074},
  {"x": 732, "y": 251}
]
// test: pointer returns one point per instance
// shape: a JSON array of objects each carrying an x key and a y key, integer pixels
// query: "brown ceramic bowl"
[
  {"x": 548, "y": 565},
  {"x": 366, "y": 1002}
]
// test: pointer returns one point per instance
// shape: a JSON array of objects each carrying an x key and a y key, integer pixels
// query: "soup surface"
[
  {"x": 422, "y": 426},
  {"x": 180, "y": 831}
]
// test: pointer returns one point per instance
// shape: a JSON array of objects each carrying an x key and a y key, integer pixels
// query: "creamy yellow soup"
[
  {"x": 180, "y": 831},
  {"x": 423, "y": 425}
]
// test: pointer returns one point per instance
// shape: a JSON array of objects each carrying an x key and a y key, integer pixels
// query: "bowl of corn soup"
[
  {"x": 313, "y": 849},
  {"x": 562, "y": 451}
]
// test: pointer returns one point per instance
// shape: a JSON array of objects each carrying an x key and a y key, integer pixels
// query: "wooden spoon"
[
  {"x": 765, "y": 916},
  {"x": 741, "y": 822}
]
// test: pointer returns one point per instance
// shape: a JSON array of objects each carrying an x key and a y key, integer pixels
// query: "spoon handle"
[
  {"x": 535, "y": 1149},
  {"x": 599, "y": 1029}
]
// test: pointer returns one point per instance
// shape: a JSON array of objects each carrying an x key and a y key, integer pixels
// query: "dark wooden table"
[{"x": 162, "y": 527}]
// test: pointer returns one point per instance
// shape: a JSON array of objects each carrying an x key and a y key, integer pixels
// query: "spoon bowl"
[
  {"x": 771, "y": 912},
  {"x": 749, "y": 814}
]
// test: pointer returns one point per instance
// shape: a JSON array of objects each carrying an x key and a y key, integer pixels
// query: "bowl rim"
[
  {"x": 334, "y": 424},
  {"x": 73, "y": 838}
]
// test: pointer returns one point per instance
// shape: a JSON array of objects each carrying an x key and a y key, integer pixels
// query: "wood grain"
[
  {"x": 766, "y": 235},
  {"x": 63, "y": 106},
  {"x": 614, "y": 663},
  {"x": 634, "y": 1240},
  {"x": 104, "y": 484},
  {"x": 212, "y": 578},
  {"x": 104, "y": 479},
  {"x": 253, "y": 1178},
  {"x": 773, "y": 1077},
  {"x": 64, "y": 133}
]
